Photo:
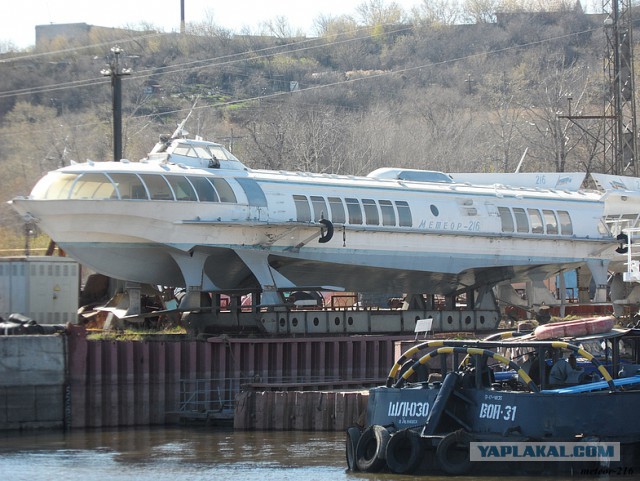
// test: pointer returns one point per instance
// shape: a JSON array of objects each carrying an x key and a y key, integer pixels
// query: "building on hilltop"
[{"x": 77, "y": 34}]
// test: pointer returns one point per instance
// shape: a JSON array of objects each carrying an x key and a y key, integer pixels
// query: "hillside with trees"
[{"x": 454, "y": 89}]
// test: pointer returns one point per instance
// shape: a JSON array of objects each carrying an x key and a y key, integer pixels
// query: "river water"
[{"x": 182, "y": 454}]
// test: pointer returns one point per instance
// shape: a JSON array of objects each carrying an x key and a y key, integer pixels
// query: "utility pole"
[
  {"x": 619, "y": 139},
  {"x": 182, "y": 26},
  {"x": 114, "y": 71},
  {"x": 622, "y": 158}
]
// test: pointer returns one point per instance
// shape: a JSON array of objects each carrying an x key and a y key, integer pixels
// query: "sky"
[{"x": 20, "y": 17}]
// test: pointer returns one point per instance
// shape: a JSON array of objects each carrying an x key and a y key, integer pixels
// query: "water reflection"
[
  {"x": 181, "y": 454},
  {"x": 174, "y": 453}
]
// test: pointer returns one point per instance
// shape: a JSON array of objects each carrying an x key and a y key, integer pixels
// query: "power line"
[
  {"x": 259, "y": 54},
  {"x": 263, "y": 54}
]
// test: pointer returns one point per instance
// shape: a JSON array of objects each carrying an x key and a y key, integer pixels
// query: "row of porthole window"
[
  {"x": 357, "y": 211},
  {"x": 535, "y": 221},
  {"x": 337, "y": 320}
]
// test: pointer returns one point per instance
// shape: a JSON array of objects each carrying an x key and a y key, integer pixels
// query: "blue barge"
[{"x": 446, "y": 403}]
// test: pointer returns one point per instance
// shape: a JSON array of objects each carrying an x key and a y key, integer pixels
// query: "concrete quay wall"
[{"x": 33, "y": 385}]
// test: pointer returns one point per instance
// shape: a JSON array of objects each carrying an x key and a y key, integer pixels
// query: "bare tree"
[
  {"x": 377, "y": 12},
  {"x": 551, "y": 135},
  {"x": 440, "y": 12},
  {"x": 480, "y": 11}
]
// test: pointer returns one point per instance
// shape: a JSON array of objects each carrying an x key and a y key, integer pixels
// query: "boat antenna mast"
[{"x": 180, "y": 132}]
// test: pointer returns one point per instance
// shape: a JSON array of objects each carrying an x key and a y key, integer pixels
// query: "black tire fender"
[
  {"x": 353, "y": 436},
  {"x": 371, "y": 449},
  {"x": 405, "y": 451},
  {"x": 452, "y": 453},
  {"x": 326, "y": 236}
]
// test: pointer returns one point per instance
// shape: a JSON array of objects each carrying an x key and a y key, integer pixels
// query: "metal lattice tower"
[{"x": 620, "y": 110}]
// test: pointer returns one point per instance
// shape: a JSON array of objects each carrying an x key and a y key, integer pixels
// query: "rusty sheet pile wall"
[
  {"x": 116, "y": 383},
  {"x": 300, "y": 411}
]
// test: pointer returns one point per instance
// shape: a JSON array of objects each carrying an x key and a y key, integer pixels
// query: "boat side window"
[
  {"x": 129, "y": 186},
  {"x": 320, "y": 210},
  {"x": 182, "y": 149},
  {"x": 54, "y": 186},
  {"x": 404, "y": 213},
  {"x": 220, "y": 153},
  {"x": 158, "y": 187},
  {"x": 537, "y": 227},
  {"x": 182, "y": 187},
  {"x": 204, "y": 188},
  {"x": 92, "y": 185},
  {"x": 371, "y": 212},
  {"x": 550, "y": 221},
  {"x": 522, "y": 221},
  {"x": 566, "y": 227},
  {"x": 224, "y": 190},
  {"x": 337, "y": 210},
  {"x": 202, "y": 152},
  {"x": 303, "y": 211},
  {"x": 506, "y": 219},
  {"x": 253, "y": 191},
  {"x": 355, "y": 213},
  {"x": 388, "y": 214}
]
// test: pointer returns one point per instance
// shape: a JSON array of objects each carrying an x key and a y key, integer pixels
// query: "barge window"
[
  {"x": 522, "y": 221},
  {"x": 506, "y": 219},
  {"x": 355, "y": 213},
  {"x": 224, "y": 190},
  {"x": 182, "y": 187},
  {"x": 92, "y": 186},
  {"x": 54, "y": 185},
  {"x": 550, "y": 221},
  {"x": 158, "y": 187},
  {"x": 129, "y": 186},
  {"x": 566, "y": 228},
  {"x": 204, "y": 189},
  {"x": 537, "y": 227},
  {"x": 319, "y": 208},
  {"x": 404, "y": 213},
  {"x": 371, "y": 212},
  {"x": 303, "y": 212},
  {"x": 388, "y": 214},
  {"x": 253, "y": 191},
  {"x": 337, "y": 210}
]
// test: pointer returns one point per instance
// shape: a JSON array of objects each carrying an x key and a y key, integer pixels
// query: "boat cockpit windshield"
[
  {"x": 198, "y": 153},
  {"x": 202, "y": 154},
  {"x": 132, "y": 186}
]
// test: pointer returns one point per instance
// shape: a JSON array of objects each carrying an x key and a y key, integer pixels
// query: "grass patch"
[{"x": 136, "y": 334}]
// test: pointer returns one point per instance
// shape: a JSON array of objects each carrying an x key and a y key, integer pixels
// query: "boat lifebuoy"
[
  {"x": 326, "y": 236},
  {"x": 371, "y": 449},
  {"x": 353, "y": 436},
  {"x": 577, "y": 328},
  {"x": 404, "y": 452},
  {"x": 453, "y": 453}
]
